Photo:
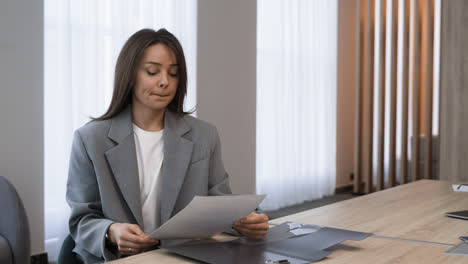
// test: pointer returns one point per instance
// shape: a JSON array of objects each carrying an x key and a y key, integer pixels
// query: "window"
[{"x": 296, "y": 100}]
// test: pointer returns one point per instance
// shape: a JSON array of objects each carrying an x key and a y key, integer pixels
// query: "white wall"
[
  {"x": 21, "y": 107},
  {"x": 226, "y": 82}
]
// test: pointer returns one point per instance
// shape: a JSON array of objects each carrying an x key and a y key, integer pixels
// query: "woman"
[{"x": 145, "y": 159}]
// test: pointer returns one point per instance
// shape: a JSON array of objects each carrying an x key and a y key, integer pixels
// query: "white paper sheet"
[
  {"x": 459, "y": 188},
  {"x": 301, "y": 229},
  {"x": 205, "y": 216}
]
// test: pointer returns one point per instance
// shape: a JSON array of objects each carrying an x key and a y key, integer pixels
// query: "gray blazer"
[{"x": 103, "y": 185}]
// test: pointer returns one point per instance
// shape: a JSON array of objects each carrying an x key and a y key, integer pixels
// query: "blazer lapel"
[
  {"x": 177, "y": 156},
  {"x": 123, "y": 162}
]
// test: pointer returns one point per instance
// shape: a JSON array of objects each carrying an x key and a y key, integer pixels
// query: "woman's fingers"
[
  {"x": 256, "y": 234},
  {"x": 141, "y": 237},
  {"x": 254, "y": 218},
  {"x": 128, "y": 247},
  {"x": 129, "y": 251},
  {"x": 130, "y": 239},
  {"x": 253, "y": 226},
  {"x": 260, "y": 226},
  {"x": 129, "y": 244},
  {"x": 141, "y": 240},
  {"x": 135, "y": 229},
  {"x": 246, "y": 231}
]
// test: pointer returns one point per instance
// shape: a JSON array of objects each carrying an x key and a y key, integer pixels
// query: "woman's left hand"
[{"x": 253, "y": 226}]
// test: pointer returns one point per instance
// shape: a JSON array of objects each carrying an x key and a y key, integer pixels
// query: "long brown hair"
[{"x": 126, "y": 67}]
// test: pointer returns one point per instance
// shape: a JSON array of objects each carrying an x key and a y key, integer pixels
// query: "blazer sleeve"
[
  {"x": 87, "y": 224},
  {"x": 218, "y": 179}
]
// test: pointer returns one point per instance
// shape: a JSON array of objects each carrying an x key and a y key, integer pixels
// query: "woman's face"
[{"x": 157, "y": 78}]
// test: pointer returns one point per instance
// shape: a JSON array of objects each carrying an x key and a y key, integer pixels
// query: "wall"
[
  {"x": 226, "y": 82},
  {"x": 453, "y": 88},
  {"x": 21, "y": 107}
]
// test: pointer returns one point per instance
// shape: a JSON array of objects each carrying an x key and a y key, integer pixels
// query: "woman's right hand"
[{"x": 129, "y": 238}]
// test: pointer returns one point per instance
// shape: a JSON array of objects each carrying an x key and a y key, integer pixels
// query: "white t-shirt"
[{"x": 149, "y": 150}]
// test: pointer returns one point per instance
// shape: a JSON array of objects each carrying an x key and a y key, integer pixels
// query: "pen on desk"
[{"x": 282, "y": 261}]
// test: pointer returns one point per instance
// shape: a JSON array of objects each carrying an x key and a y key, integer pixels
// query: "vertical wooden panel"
[
  {"x": 346, "y": 93},
  {"x": 393, "y": 94},
  {"x": 437, "y": 53},
  {"x": 453, "y": 91},
  {"x": 369, "y": 120},
  {"x": 429, "y": 66},
  {"x": 381, "y": 113},
  {"x": 358, "y": 100},
  {"x": 404, "y": 96},
  {"x": 417, "y": 60},
  {"x": 416, "y": 89}
]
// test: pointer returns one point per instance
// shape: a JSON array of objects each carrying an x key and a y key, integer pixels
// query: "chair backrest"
[
  {"x": 5, "y": 251},
  {"x": 14, "y": 225},
  {"x": 66, "y": 255}
]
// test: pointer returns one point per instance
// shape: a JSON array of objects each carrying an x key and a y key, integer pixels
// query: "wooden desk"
[
  {"x": 411, "y": 211},
  {"x": 371, "y": 251}
]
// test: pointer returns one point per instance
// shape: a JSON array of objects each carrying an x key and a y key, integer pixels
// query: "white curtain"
[
  {"x": 82, "y": 42},
  {"x": 296, "y": 100}
]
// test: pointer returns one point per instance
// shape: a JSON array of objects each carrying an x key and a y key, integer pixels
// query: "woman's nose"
[{"x": 163, "y": 82}]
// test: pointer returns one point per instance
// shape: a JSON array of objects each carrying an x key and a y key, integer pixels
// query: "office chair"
[
  {"x": 15, "y": 242},
  {"x": 66, "y": 255}
]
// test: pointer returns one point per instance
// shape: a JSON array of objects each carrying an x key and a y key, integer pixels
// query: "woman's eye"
[
  {"x": 173, "y": 74},
  {"x": 151, "y": 73}
]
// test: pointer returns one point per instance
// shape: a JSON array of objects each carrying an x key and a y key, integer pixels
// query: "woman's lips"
[{"x": 160, "y": 95}]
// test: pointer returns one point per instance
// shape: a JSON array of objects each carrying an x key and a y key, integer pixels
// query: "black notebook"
[{"x": 459, "y": 214}]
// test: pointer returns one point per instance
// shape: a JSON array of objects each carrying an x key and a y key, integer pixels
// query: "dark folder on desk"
[
  {"x": 459, "y": 214},
  {"x": 279, "y": 244}
]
